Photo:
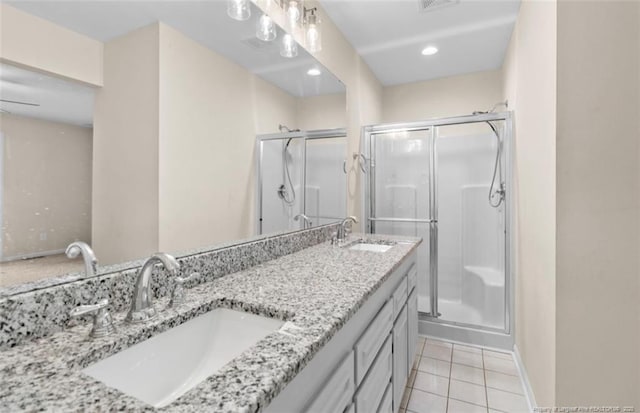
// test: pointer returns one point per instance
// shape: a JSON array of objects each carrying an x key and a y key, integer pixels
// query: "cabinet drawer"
[
  {"x": 337, "y": 393},
  {"x": 372, "y": 340},
  {"x": 371, "y": 391},
  {"x": 386, "y": 405},
  {"x": 412, "y": 278},
  {"x": 399, "y": 297}
]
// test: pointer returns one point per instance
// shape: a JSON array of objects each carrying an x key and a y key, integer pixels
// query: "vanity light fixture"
[
  {"x": 429, "y": 51},
  {"x": 314, "y": 71},
  {"x": 293, "y": 9},
  {"x": 265, "y": 28},
  {"x": 288, "y": 46},
  {"x": 312, "y": 35},
  {"x": 238, "y": 9}
]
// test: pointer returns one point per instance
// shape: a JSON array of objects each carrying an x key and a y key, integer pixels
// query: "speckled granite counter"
[{"x": 318, "y": 289}]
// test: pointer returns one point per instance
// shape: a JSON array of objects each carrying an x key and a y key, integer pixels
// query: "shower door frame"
[
  {"x": 304, "y": 135},
  {"x": 452, "y": 330}
]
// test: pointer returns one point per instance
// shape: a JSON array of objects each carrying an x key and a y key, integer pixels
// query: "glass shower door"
[
  {"x": 471, "y": 230},
  {"x": 325, "y": 194},
  {"x": 400, "y": 172}
]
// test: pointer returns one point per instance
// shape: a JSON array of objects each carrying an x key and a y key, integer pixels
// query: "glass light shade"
[
  {"x": 313, "y": 38},
  {"x": 288, "y": 47},
  {"x": 265, "y": 28},
  {"x": 238, "y": 9},
  {"x": 293, "y": 13}
]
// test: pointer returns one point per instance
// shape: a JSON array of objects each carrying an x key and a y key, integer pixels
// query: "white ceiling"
[
  {"x": 204, "y": 21},
  {"x": 471, "y": 35},
  {"x": 59, "y": 100}
]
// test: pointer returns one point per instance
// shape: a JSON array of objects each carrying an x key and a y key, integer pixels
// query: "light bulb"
[
  {"x": 293, "y": 13},
  {"x": 288, "y": 47},
  {"x": 314, "y": 40},
  {"x": 238, "y": 9},
  {"x": 265, "y": 28},
  {"x": 429, "y": 51}
]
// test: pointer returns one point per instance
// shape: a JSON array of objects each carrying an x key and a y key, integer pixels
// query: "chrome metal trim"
[
  {"x": 456, "y": 120},
  {"x": 312, "y": 134},
  {"x": 427, "y": 317},
  {"x": 433, "y": 227},
  {"x": 386, "y": 219}
]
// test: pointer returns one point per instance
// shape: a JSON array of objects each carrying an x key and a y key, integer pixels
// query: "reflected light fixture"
[
  {"x": 238, "y": 9},
  {"x": 293, "y": 13},
  {"x": 312, "y": 35},
  {"x": 288, "y": 46},
  {"x": 265, "y": 28},
  {"x": 314, "y": 71},
  {"x": 429, "y": 51}
]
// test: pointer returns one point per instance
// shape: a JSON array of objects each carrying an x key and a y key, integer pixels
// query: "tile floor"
[{"x": 452, "y": 378}]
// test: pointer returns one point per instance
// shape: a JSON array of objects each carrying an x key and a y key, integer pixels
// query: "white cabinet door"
[
  {"x": 371, "y": 392},
  {"x": 400, "y": 358},
  {"x": 337, "y": 392},
  {"x": 366, "y": 349},
  {"x": 412, "y": 316}
]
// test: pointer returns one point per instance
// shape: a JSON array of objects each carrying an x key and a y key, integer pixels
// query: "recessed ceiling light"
[
  {"x": 314, "y": 71},
  {"x": 429, "y": 50}
]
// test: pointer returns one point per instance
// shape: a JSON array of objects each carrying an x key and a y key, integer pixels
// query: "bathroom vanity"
[{"x": 327, "y": 328}]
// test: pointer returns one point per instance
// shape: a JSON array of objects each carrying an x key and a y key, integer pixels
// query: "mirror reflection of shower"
[
  {"x": 301, "y": 181},
  {"x": 286, "y": 191},
  {"x": 498, "y": 193}
]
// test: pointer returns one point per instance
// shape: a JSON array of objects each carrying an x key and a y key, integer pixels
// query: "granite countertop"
[{"x": 317, "y": 289}]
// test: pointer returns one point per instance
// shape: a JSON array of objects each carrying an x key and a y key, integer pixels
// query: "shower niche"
[
  {"x": 302, "y": 179},
  {"x": 448, "y": 181}
]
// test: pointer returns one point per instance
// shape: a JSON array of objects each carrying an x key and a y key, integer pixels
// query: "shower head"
[{"x": 284, "y": 128}]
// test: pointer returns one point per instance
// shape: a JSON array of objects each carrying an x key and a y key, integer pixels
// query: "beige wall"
[
  {"x": 449, "y": 96},
  {"x": 46, "y": 185},
  {"x": 530, "y": 86},
  {"x": 322, "y": 112},
  {"x": 125, "y": 156},
  {"x": 27, "y": 40},
  {"x": 598, "y": 204}
]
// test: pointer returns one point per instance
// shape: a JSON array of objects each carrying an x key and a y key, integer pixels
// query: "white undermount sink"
[
  {"x": 363, "y": 246},
  {"x": 162, "y": 368}
]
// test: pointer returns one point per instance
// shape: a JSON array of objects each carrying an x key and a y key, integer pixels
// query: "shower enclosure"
[
  {"x": 302, "y": 180},
  {"x": 449, "y": 182}
]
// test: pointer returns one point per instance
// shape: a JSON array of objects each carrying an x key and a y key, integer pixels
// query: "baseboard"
[
  {"x": 32, "y": 255},
  {"x": 531, "y": 400}
]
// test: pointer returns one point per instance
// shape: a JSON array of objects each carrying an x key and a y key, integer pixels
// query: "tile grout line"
[
  {"x": 446, "y": 409},
  {"x": 484, "y": 374}
]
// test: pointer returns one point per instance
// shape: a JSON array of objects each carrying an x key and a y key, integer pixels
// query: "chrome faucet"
[
  {"x": 306, "y": 219},
  {"x": 342, "y": 230},
  {"x": 90, "y": 261},
  {"x": 142, "y": 302}
]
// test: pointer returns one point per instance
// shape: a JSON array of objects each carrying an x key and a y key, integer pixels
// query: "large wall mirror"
[{"x": 166, "y": 155}]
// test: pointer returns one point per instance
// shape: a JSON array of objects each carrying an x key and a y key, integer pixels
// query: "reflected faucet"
[
  {"x": 90, "y": 261},
  {"x": 142, "y": 302},
  {"x": 342, "y": 230},
  {"x": 307, "y": 221}
]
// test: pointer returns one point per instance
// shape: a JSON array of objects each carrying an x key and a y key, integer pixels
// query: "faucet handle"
[
  {"x": 102, "y": 321},
  {"x": 178, "y": 294}
]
